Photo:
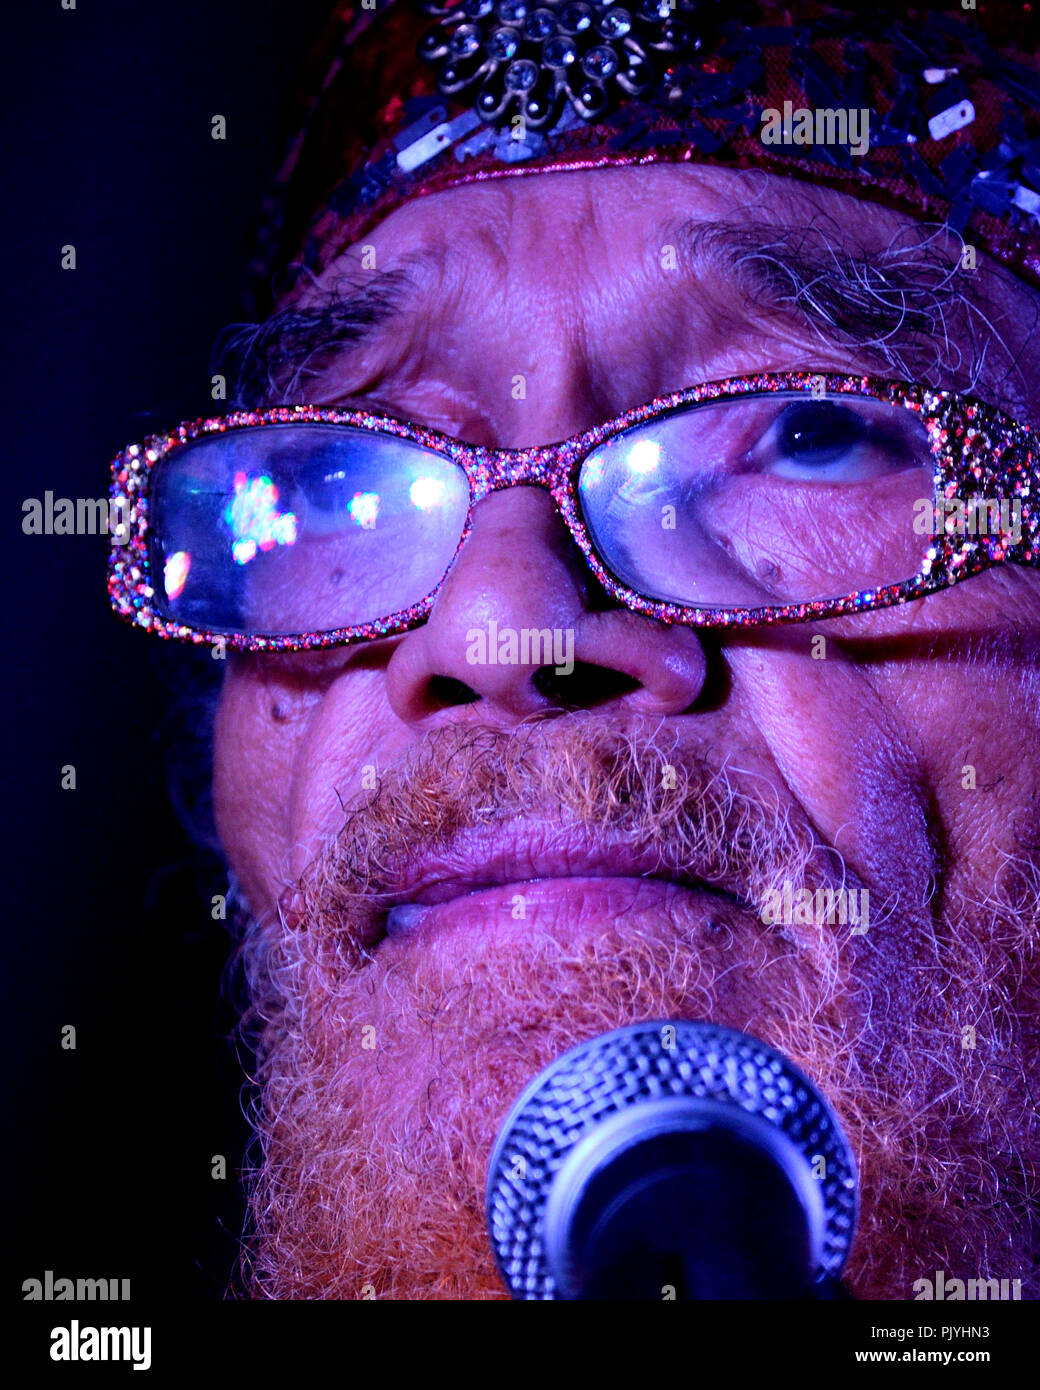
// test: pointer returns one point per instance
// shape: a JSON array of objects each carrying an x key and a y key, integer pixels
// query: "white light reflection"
[
  {"x": 255, "y": 520},
  {"x": 592, "y": 471},
  {"x": 364, "y": 508},
  {"x": 175, "y": 573},
  {"x": 644, "y": 456},
  {"x": 426, "y": 492}
]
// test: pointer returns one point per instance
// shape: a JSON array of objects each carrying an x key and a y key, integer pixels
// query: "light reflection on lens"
[
  {"x": 761, "y": 500},
  {"x": 644, "y": 456},
  {"x": 255, "y": 520},
  {"x": 426, "y": 492},
  {"x": 302, "y": 527},
  {"x": 364, "y": 508},
  {"x": 175, "y": 573}
]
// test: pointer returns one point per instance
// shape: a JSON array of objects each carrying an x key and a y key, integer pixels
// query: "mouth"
[{"x": 518, "y": 877}]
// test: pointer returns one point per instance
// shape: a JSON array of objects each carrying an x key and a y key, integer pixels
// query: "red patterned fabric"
[{"x": 343, "y": 173}]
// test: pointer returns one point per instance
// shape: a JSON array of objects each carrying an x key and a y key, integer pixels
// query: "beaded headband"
[{"x": 415, "y": 96}]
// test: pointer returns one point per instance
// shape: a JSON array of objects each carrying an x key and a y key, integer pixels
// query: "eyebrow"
[
  {"x": 905, "y": 307},
  {"x": 270, "y": 363}
]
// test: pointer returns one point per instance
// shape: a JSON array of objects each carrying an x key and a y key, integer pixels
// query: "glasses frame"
[{"x": 975, "y": 447}]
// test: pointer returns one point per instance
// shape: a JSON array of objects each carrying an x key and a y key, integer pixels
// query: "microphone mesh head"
[{"x": 650, "y": 1062}]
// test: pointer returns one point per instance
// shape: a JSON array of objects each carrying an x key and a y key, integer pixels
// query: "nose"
[{"x": 522, "y": 624}]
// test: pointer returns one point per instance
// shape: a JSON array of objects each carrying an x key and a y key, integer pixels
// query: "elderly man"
[{"x": 587, "y": 558}]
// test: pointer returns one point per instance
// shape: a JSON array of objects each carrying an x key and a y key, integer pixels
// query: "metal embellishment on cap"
[
  {"x": 516, "y": 57},
  {"x": 429, "y": 135}
]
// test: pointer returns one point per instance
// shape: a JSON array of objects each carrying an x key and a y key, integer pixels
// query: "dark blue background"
[{"x": 107, "y": 146}]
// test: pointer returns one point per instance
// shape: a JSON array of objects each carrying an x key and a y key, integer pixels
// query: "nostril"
[
  {"x": 446, "y": 691},
  {"x": 586, "y": 685}
]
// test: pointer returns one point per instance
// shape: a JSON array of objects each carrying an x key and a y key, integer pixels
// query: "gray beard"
[{"x": 381, "y": 1081}]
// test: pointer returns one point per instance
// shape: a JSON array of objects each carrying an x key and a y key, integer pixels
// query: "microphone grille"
[{"x": 644, "y": 1062}]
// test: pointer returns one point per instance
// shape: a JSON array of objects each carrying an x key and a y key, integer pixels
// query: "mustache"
[
  {"x": 695, "y": 817},
  {"x": 369, "y": 1172}
]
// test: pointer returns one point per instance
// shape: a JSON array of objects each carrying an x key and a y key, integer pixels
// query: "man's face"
[{"x": 457, "y": 870}]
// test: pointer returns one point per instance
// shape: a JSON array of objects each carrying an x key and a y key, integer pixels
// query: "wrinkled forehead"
[{"x": 653, "y": 259}]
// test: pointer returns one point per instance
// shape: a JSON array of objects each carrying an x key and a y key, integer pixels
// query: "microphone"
[{"x": 672, "y": 1160}]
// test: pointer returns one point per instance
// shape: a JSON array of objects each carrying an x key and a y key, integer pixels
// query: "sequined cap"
[{"x": 411, "y": 97}]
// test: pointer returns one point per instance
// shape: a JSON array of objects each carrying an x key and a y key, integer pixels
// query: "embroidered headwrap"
[{"x": 410, "y": 97}]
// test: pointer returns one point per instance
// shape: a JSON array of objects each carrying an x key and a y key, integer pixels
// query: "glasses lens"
[
  {"x": 288, "y": 529},
  {"x": 763, "y": 500}
]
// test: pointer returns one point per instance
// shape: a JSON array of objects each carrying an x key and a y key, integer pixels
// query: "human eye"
[{"x": 833, "y": 442}]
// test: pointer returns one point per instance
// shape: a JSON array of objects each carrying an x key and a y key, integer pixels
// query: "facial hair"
[{"x": 384, "y": 1071}]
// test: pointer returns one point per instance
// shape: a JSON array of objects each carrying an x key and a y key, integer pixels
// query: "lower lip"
[{"x": 560, "y": 907}]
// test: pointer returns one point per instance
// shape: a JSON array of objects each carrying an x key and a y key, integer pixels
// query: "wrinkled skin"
[{"x": 387, "y": 1070}]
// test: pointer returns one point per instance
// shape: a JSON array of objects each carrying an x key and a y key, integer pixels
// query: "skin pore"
[{"x": 387, "y": 1063}]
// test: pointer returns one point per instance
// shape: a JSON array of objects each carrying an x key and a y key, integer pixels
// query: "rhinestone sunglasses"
[{"x": 775, "y": 498}]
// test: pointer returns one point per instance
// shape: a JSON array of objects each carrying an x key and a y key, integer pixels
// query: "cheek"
[
  {"x": 914, "y": 742},
  {"x": 351, "y": 736},
  {"x": 965, "y": 685},
  {"x": 978, "y": 723},
  {"x": 256, "y": 739},
  {"x": 842, "y": 746},
  {"x": 288, "y": 757}
]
